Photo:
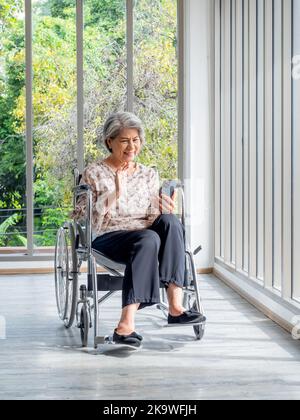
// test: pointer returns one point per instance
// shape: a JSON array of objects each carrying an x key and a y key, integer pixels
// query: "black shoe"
[
  {"x": 136, "y": 335},
  {"x": 188, "y": 317},
  {"x": 129, "y": 340}
]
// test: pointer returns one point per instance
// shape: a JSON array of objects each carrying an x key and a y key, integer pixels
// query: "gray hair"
[{"x": 117, "y": 122}]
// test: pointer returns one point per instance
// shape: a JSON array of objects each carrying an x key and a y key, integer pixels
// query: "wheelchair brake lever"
[{"x": 197, "y": 250}]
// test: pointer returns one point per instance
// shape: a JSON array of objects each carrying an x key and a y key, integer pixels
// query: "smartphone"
[{"x": 168, "y": 188}]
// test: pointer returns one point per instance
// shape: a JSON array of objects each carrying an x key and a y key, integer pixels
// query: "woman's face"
[{"x": 127, "y": 146}]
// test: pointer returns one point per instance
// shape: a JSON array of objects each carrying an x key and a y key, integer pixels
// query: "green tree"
[{"x": 54, "y": 94}]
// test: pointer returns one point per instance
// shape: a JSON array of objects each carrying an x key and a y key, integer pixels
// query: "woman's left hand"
[{"x": 167, "y": 204}]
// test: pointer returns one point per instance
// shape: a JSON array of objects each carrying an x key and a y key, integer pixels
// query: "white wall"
[{"x": 199, "y": 78}]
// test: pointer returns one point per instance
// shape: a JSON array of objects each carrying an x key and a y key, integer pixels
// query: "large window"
[{"x": 76, "y": 62}]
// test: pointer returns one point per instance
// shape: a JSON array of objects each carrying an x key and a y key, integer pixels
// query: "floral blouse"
[{"x": 137, "y": 206}]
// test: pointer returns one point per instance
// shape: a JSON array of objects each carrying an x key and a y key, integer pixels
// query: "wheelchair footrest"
[
  {"x": 191, "y": 324},
  {"x": 106, "y": 282}
]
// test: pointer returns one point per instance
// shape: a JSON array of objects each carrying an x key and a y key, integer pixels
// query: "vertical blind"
[{"x": 257, "y": 160}]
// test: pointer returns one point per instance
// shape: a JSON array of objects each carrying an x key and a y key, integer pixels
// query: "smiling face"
[{"x": 125, "y": 147}]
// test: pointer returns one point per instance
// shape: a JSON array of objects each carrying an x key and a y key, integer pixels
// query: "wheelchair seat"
[{"x": 108, "y": 264}]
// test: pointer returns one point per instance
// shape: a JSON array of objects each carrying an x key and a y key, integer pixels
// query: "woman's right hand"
[
  {"x": 167, "y": 204},
  {"x": 120, "y": 174}
]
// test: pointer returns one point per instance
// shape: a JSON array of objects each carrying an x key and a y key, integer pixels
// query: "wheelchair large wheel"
[{"x": 66, "y": 274}]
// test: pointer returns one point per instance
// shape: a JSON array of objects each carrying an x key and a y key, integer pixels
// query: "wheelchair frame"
[{"x": 74, "y": 246}]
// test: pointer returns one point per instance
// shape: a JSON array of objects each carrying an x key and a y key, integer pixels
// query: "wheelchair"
[{"x": 81, "y": 304}]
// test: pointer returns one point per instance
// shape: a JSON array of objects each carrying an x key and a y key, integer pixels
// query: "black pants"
[{"x": 151, "y": 256}]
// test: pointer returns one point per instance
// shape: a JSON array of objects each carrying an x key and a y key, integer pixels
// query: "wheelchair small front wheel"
[
  {"x": 84, "y": 326},
  {"x": 199, "y": 331}
]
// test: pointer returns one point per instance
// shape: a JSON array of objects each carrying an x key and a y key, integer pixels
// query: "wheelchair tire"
[
  {"x": 66, "y": 274},
  {"x": 84, "y": 326},
  {"x": 199, "y": 330}
]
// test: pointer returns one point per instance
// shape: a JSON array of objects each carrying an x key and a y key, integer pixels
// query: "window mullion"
[
  {"x": 268, "y": 246},
  {"x": 239, "y": 137},
  {"x": 80, "y": 91},
  {"x": 252, "y": 143},
  {"x": 227, "y": 134},
  {"x": 29, "y": 127},
  {"x": 217, "y": 128},
  {"x": 130, "y": 63},
  {"x": 287, "y": 149}
]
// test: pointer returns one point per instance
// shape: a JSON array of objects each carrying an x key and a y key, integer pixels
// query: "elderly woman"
[{"x": 135, "y": 226}]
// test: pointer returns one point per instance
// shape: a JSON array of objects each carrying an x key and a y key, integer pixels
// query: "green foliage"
[
  {"x": 9, "y": 9},
  {"x": 48, "y": 219},
  {"x": 12, "y": 80},
  {"x": 12, "y": 171},
  {"x": 54, "y": 96},
  {"x": 47, "y": 223},
  {"x": 9, "y": 236},
  {"x": 107, "y": 14},
  {"x": 57, "y": 8}
]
